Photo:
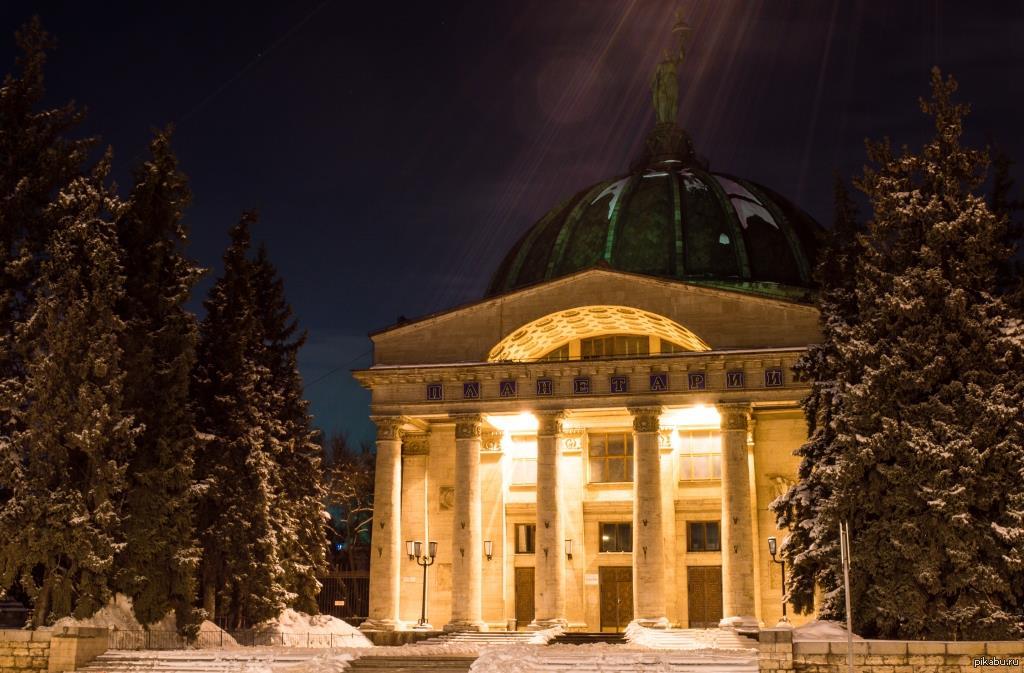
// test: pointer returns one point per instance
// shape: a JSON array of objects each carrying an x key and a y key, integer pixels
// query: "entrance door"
[
  {"x": 616, "y": 597},
  {"x": 704, "y": 589},
  {"x": 524, "y": 597}
]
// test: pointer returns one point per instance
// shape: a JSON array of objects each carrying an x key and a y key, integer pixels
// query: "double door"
[
  {"x": 704, "y": 596},
  {"x": 616, "y": 584}
]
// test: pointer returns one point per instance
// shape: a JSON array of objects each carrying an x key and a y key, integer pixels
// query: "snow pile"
[
  {"x": 821, "y": 630},
  {"x": 297, "y": 629},
  {"x": 117, "y": 614},
  {"x": 211, "y": 635},
  {"x": 543, "y": 637}
]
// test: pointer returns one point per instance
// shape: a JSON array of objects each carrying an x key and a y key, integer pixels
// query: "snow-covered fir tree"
[
  {"x": 65, "y": 463},
  {"x": 300, "y": 517},
  {"x": 812, "y": 544},
  {"x": 157, "y": 566},
  {"x": 38, "y": 161},
  {"x": 929, "y": 443},
  {"x": 241, "y": 571}
]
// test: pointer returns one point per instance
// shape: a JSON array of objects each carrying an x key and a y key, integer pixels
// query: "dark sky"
[{"x": 395, "y": 150}]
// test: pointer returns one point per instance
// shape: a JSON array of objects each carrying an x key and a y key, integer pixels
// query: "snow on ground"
[
  {"x": 297, "y": 629},
  {"x": 607, "y": 657},
  {"x": 821, "y": 630}
]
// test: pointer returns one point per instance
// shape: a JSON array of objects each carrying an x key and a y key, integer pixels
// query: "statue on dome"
[{"x": 665, "y": 85}]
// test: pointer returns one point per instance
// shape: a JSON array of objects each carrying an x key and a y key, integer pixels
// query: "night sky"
[{"x": 395, "y": 151}]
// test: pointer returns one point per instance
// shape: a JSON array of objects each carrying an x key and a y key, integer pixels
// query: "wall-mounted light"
[
  {"x": 568, "y": 549},
  {"x": 410, "y": 549},
  {"x": 488, "y": 549}
]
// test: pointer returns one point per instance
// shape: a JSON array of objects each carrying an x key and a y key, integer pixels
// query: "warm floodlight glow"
[
  {"x": 699, "y": 416},
  {"x": 543, "y": 335},
  {"x": 524, "y": 422}
]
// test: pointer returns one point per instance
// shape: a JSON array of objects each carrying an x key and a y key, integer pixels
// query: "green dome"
[{"x": 671, "y": 219}]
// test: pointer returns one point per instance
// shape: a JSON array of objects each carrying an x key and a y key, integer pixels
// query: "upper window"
[
  {"x": 611, "y": 456},
  {"x": 700, "y": 455},
  {"x": 703, "y": 536},
  {"x": 525, "y": 536},
  {"x": 524, "y": 471},
  {"x": 616, "y": 345},
  {"x": 616, "y": 537},
  {"x": 557, "y": 354},
  {"x": 669, "y": 347}
]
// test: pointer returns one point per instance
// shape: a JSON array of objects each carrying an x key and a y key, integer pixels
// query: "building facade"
[{"x": 598, "y": 439}]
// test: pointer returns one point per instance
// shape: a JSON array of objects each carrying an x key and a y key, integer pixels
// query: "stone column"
[
  {"x": 737, "y": 526},
  {"x": 549, "y": 578},
  {"x": 648, "y": 534},
  {"x": 467, "y": 538},
  {"x": 386, "y": 538}
]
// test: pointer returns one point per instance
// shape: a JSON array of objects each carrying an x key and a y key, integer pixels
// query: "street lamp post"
[
  {"x": 424, "y": 558},
  {"x": 772, "y": 549}
]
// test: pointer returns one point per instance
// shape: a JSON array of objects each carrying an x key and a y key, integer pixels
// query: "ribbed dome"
[{"x": 672, "y": 219}]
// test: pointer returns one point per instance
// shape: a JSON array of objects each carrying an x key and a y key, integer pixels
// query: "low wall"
[
  {"x": 779, "y": 654},
  {"x": 399, "y": 637},
  {"x": 24, "y": 651}
]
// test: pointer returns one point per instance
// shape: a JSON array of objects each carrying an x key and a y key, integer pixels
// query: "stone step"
[
  {"x": 412, "y": 663},
  {"x": 583, "y": 638}
]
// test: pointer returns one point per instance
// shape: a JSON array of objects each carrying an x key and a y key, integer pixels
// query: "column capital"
[
  {"x": 415, "y": 444},
  {"x": 735, "y": 415},
  {"x": 468, "y": 426},
  {"x": 645, "y": 419},
  {"x": 549, "y": 422},
  {"x": 388, "y": 427}
]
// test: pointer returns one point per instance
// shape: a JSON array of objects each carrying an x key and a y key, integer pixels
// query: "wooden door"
[
  {"x": 616, "y": 588},
  {"x": 524, "y": 597},
  {"x": 704, "y": 596}
]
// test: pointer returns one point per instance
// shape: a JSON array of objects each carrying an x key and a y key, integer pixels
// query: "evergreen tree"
[
  {"x": 813, "y": 540},
  {"x": 65, "y": 463},
  {"x": 158, "y": 563},
  {"x": 929, "y": 444},
  {"x": 38, "y": 160},
  {"x": 241, "y": 575},
  {"x": 300, "y": 518}
]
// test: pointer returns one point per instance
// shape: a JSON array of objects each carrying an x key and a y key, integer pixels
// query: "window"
[
  {"x": 616, "y": 537},
  {"x": 561, "y": 353},
  {"x": 614, "y": 346},
  {"x": 524, "y": 471},
  {"x": 669, "y": 347},
  {"x": 611, "y": 456},
  {"x": 525, "y": 534},
  {"x": 703, "y": 536},
  {"x": 700, "y": 455}
]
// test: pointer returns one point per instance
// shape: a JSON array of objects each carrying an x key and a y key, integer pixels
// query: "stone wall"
[
  {"x": 779, "y": 654},
  {"x": 23, "y": 651}
]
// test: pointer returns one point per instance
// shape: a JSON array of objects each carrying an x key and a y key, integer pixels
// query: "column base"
[
  {"x": 544, "y": 624},
  {"x": 422, "y": 627},
  {"x": 382, "y": 625},
  {"x": 453, "y": 627},
  {"x": 652, "y": 622},
  {"x": 743, "y": 623}
]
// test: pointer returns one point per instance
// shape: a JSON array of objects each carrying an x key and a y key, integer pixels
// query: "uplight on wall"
[
  {"x": 697, "y": 416},
  {"x": 568, "y": 549},
  {"x": 488, "y": 549},
  {"x": 512, "y": 423}
]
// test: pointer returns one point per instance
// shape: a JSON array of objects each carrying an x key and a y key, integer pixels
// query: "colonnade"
[{"x": 648, "y": 556}]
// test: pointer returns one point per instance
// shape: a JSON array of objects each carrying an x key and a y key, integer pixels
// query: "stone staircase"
[
  {"x": 482, "y": 638},
  {"x": 585, "y": 638},
  {"x": 196, "y": 661},
  {"x": 430, "y": 663},
  {"x": 688, "y": 639}
]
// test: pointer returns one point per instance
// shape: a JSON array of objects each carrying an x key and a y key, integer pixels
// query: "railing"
[
  {"x": 345, "y": 595},
  {"x": 124, "y": 639}
]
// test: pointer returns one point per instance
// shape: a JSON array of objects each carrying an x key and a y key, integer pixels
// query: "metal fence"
[
  {"x": 345, "y": 595},
  {"x": 126, "y": 639}
]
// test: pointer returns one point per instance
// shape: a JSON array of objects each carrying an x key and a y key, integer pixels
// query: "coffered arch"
[{"x": 533, "y": 340}]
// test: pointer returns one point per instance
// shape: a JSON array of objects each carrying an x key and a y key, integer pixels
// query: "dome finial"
[
  {"x": 665, "y": 85},
  {"x": 668, "y": 142}
]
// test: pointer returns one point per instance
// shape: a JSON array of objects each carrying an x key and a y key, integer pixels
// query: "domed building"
[{"x": 597, "y": 440}]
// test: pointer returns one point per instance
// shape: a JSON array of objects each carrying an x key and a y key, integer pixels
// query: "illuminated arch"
[{"x": 543, "y": 335}]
